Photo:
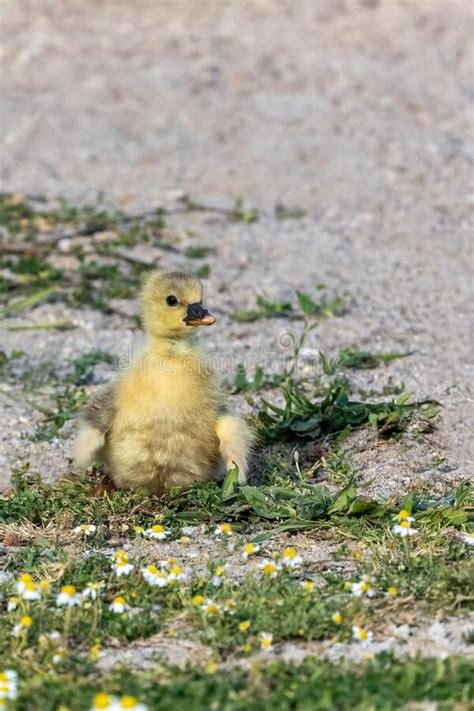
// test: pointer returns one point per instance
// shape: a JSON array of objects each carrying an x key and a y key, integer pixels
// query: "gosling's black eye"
[{"x": 171, "y": 300}]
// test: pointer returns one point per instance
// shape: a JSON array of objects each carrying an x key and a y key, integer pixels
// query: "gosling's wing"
[{"x": 100, "y": 411}]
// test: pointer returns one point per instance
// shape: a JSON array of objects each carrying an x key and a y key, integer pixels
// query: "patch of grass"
[
  {"x": 364, "y": 360},
  {"x": 384, "y": 682},
  {"x": 260, "y": 380},
  {"x": 282, "y": 212},
  {"x": 239, "y": 213},
  {"x": 334, "y": 412},
  {"x": 326, "y": 306},
  {"x": 198, "y": 252},
  {"x": 203, "y": 271}
]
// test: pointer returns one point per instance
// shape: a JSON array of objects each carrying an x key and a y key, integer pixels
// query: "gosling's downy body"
[{"x": 164, "y": 422}]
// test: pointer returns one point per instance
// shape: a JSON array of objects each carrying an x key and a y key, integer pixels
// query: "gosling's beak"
[{"x": 197, "y": 315}]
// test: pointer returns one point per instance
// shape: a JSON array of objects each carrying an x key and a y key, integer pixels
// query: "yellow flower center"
[
  {"x": 26, "y": 578},
  {"x": 289, "y": 553},
  {"x": 392, "y": 590},
  {"x": 363, "y": 634},
  {"x": 119, "y": 600},
  {"x": 152, "y": 569},
  {"x": 249, "y": 548},
  {"x": 219, "y": 570},
  {"x": 226, "y": 528},
  {"x": 176, "y": 571},
  {"x": 403, "y": 514},
  {"x": 197, "y": 600},
  {"x": 212, "y": 609},
  {"x": 404, "y": 523},
  {"x": 244, "y": 626},
  {"x": 26, "y": 621},
  {"x": 128, "y": 702},
  {"x": 337, "y": 618},
  {"x": 308, "y": 585},
  {"x": 158, "y": 528},
  {"x": 266, "y": 642},
  {"x": 69, "y": 590},
  {"x": 269, "y": 568},
  {"x": 102, "y": 701}
]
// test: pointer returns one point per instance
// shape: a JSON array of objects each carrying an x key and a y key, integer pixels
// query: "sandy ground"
[{"x": 359, "y": 112}]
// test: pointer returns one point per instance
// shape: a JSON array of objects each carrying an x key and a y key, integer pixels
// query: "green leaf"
[
  {"x": 230, "y": 481},
  {"x": 408, "y": 503},
  {"x": 344, "y": 499}
]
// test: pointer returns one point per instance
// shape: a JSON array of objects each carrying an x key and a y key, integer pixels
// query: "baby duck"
[{"x": 164, "y": 422}]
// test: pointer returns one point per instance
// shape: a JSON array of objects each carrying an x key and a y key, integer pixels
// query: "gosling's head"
[{"x": 172, "y": 305}]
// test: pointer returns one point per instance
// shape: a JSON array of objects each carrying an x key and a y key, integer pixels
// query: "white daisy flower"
[
  {"x": 12, "y": 604},
  {"x": 8, "y": 685},
  {"x": 230, "y": 606},
  {"x": 363, "y": 587},
  {"x": 250, "y": 549},
  {"x": 359, "y": 634},
  {"x": 269, "y": 567},
  {"x": 469, "y": 538},
  {"x": 291, "y": 558},
  {"x": 68, "y": 597},
  {"x": 153, "y": 576},
  {"x": 223, "y": 529},
  {"x": 404, "y": 529},
  {"x": 266, "y": 641},
  {"x": 91, "y": 591},
  {"x": 118, "y": 605},
  {"x": 218, "y": 576},
  {"x": 121, "y": 566},
  {"x": 176, "y": 574},
  {"x": 157, "y": 532},
  {"x": 211, "y": 608},
  {"x": 24, "y": 624},
  {"x": 86, "y": 528},
  {"x": 27, "y": 589}
]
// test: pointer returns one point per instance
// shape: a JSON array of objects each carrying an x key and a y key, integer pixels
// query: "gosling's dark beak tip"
[{"x": 197, "y": 315}]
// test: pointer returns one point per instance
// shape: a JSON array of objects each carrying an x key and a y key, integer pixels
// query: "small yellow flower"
[
  {"x": 94, "y": 651},
  {"x": 26, "y": 621},
  {"x": 403, "y": 514},
  {"x": 138, "y": 529},
  {"x": 358, "y": 555},
  {"x": 219, "y": 570},
  {"x": 212, "y": 667},
  {"x": 244, "y": 626},
  {"x": 404, "y": 523},
  {"x": 392, "y": 591},
  {"x": 308, "y": 586},
  {"x": 45, "y": 586},
  {"x": 336, "y": 618},
  {"x": 185, "y": 540},
  {"x": 197, "y": 600}
]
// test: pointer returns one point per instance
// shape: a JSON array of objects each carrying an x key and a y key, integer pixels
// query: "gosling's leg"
[
  {"x": 95, "y": 421},
  {"x": 89, "y": 442},
  {"x": 235, "y": 441}
]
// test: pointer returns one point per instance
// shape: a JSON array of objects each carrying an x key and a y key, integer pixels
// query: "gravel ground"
[{"x": 358, "y": 112}]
